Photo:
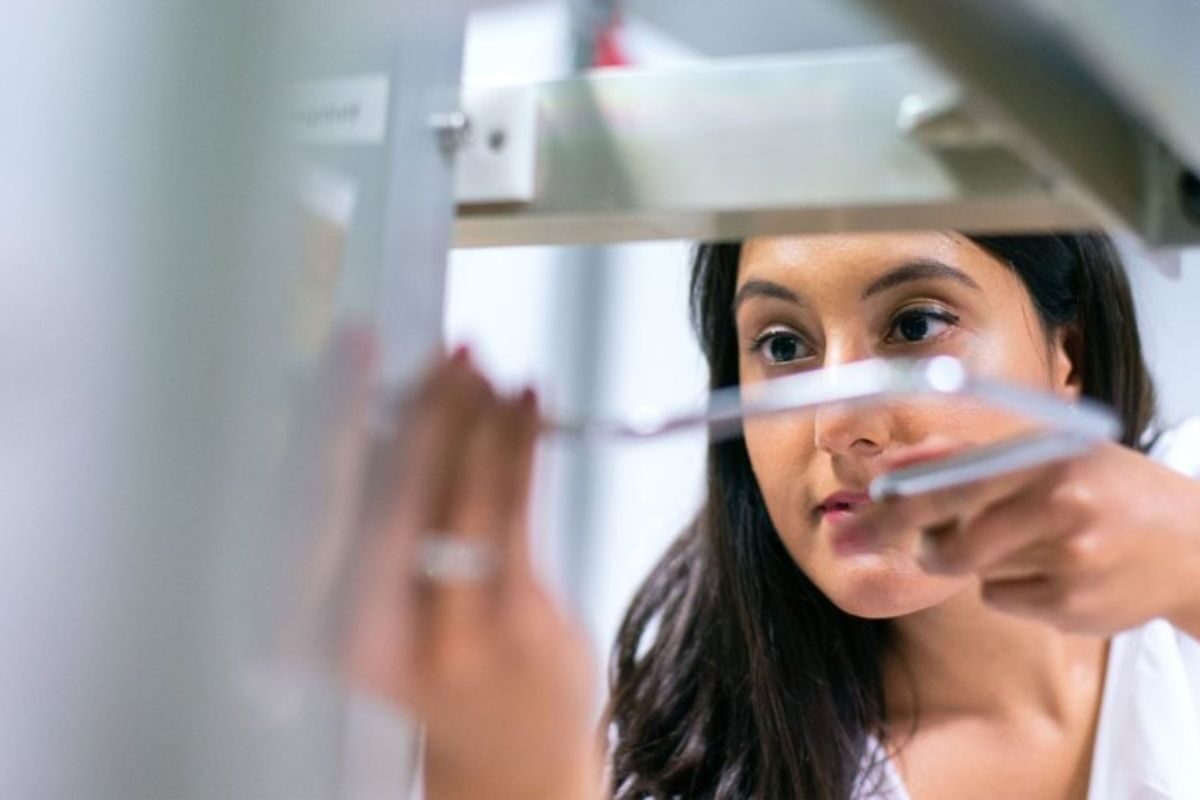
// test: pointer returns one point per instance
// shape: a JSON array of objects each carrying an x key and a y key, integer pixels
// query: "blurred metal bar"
[
  {"x": 150, "y": 270},
  {"x": 1025, "y": 73},
  {"x": 758, "y": 147},
  {"x": 143, "y": 349},
  {"x": 583, "y": 300},
  {"x": 400, "y": 231},
  {"x": 1146, "y": 53},
  {"x": 395, "y": 245},
  {"x": 427, "y": 63}
]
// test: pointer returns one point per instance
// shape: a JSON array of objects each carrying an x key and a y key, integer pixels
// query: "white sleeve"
[
  {"x": 1189, "y": 653},
  {"x": 1179, "y": 448}
]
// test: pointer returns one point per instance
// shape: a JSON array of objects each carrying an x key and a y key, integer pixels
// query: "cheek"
[
  {"x": 957, "y": 420},
  {"x": 885, "y": 582},
  {"x": 781, "y": 456}
]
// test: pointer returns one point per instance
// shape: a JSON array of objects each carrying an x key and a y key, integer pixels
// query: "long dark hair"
[{"x": 733, "y": 676}]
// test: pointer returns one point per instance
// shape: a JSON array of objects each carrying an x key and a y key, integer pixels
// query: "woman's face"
[{"x": 808, "y": 302}]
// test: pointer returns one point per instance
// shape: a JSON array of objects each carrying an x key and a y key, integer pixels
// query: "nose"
[
  {"x": 850, "y": 431},
  {"x": 844, "y": 430}
]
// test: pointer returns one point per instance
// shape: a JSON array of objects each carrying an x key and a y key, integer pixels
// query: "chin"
[{"x": 884, "y": 585}]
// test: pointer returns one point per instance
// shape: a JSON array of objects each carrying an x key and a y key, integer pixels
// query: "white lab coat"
[{"x": 1148, "y": 739}]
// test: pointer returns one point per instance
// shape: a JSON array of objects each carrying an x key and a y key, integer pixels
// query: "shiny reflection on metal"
[
  {"x": 979, "y": 463},
  {"x": 941, "y": 121},
  {"x": 861, "y": 382}
]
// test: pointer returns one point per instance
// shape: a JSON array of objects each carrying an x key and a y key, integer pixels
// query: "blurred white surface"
[{"x": 1169, "y": 318}]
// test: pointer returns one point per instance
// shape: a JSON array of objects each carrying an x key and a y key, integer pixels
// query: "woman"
[{"x": 798, "y": 640}]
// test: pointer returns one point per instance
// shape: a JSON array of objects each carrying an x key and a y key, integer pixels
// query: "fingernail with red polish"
[{"x": 528, "y": 399}]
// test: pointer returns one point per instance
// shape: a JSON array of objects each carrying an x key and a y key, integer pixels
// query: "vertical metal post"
[
  {"x": 146, "y": 355},
  {"x": 584, "y": 286}
]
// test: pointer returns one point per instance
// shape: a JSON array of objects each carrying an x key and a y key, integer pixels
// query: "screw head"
[{"x": 452, "y": 128}]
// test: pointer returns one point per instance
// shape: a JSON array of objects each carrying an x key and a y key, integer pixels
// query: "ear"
[{"x": 1066, "y": 361}]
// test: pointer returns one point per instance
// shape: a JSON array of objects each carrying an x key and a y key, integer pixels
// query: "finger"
[
  {"x": 401, "y": 439},
  {"x": 965, "y": 501},
  {"x": 514, "y": 528},
  {"x": 1037, "y": 560},
  {"x": 429, "y": 452},
  {"x": 931, "y": 447},
  {"x": 411, "y": 483},
  {"x": 481, "y": 506},
  {"x": 1030, "y": 596},
  {"x": 399, "y": 409},
  {"x": 1001, "y": 530}
]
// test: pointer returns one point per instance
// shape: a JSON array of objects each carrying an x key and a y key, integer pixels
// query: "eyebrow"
[
  {"x": 761, "y": 288},
  {"x": 925, "y": 269}
]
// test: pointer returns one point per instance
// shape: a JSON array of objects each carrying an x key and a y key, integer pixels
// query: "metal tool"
[{"x": 1067, "y": 429}]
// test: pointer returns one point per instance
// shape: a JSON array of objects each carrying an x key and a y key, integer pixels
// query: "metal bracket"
[
  {"x": 756, "y": 147},
  {"x": 497, "y": 159},
  {"x": 942, "y": 122}
]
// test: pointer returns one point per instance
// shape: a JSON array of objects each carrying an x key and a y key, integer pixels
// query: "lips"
[
  {"x": 841, "y": 504},
  {"x": 839, "y": 509}
]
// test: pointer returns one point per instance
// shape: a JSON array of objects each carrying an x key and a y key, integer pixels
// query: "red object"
[{"x": 609, "y": 52}]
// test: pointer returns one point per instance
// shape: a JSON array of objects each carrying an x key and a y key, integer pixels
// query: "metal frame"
[
  {"x": 1025, "y": 136},
  {"x": 1066, "y": 114},
  {"x": 759, "y": 147}
]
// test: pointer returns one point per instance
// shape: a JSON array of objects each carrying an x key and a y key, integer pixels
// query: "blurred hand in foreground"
[{"x": 447, "y": 618}]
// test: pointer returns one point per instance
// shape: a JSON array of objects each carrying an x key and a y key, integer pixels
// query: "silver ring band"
[{"x": 454, "y": 558}]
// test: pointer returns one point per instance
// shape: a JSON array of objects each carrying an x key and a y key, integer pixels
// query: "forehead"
[{"x": 836, "y": 258}]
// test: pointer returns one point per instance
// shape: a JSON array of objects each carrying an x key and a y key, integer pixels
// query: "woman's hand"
[
  {"x": 1096, "y": 544},
  {"x": 498, "y": 675}
]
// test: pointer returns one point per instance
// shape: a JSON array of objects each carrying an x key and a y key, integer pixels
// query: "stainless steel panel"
[{"x": 756, "y": 147}]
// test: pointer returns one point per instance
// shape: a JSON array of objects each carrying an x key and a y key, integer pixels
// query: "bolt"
[{"x": 453, "y": 128}]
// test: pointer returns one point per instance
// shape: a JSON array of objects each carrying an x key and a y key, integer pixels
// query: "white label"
[{"x": 341, "y": 111}]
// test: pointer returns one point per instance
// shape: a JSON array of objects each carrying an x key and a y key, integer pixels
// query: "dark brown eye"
[
  {"x": 913, "y": 327},
  {"x": 919, "y": 325},
  {"x": 781, "y": 347}
]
